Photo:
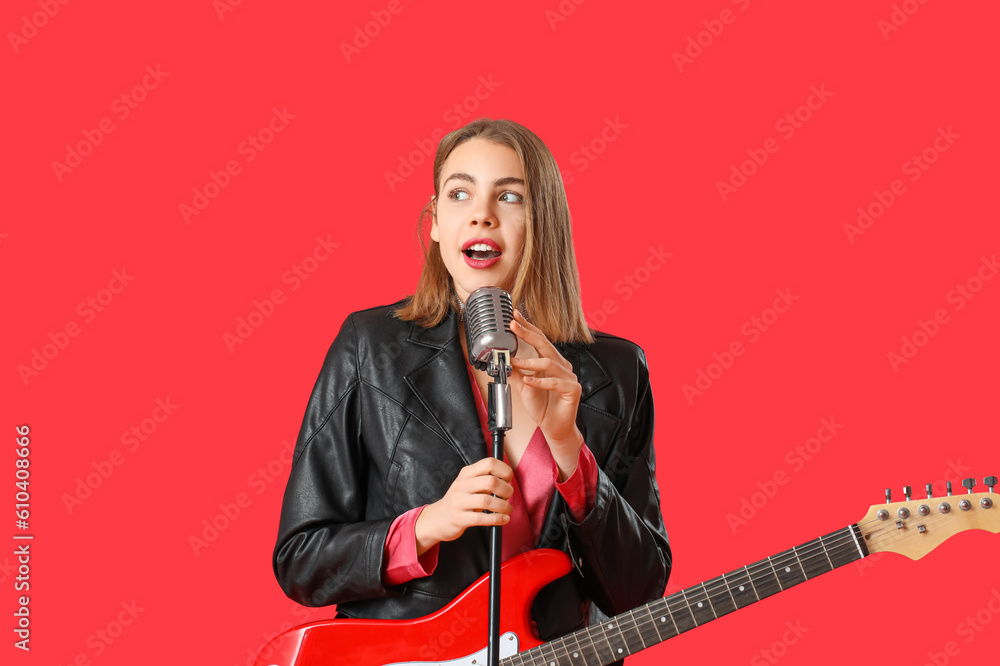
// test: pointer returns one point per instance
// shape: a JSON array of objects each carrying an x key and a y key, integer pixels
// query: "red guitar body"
[{"x": 455, "y": 633}]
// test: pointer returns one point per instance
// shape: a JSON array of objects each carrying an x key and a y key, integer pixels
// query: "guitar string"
[
  {"x": 812, "y": 550},
  {"x": 843, "y": 538}
]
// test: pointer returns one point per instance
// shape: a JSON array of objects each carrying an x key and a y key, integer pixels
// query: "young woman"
[{"x": 384, "y": 508}]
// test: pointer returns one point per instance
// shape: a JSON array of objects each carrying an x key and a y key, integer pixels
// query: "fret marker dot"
[
  {"x": 619, "y": 650},
  {"x": 700, "y": 604},
  {"x": 663, "y": 619},
  {"x": 787, "y": 569},
  {"x": 611, "y": 625},
  {"x": 575, "y": 655},
  {"x": 741, "y": 588}
]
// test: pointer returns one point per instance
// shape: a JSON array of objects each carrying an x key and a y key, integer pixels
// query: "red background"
[{"x": 681, "y": 130}]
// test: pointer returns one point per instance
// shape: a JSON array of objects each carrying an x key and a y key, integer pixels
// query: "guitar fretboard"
[{"x": 662, "y": 619}]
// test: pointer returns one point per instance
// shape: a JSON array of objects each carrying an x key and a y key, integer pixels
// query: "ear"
[{"x": 435, "y": 234}]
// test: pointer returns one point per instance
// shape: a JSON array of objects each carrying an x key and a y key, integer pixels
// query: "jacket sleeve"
[
  {"x": 621, "y": 546},
  {"x": 327, "y": 552}
]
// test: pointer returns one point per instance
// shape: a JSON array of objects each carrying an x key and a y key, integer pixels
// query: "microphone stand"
[{"x": 499, "y": 411}]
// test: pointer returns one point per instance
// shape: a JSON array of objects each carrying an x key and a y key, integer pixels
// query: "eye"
[
  {"x": 458, "y": 195},
  {"x": 511, "y": 197}
]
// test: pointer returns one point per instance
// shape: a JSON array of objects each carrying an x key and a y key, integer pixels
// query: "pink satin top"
[{"x": 535, "y": 477}]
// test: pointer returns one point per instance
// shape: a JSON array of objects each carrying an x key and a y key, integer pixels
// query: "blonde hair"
[{"x": 547, "y": 283}]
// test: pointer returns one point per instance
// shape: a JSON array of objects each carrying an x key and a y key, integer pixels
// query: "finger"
[
  {"x": 567, "y": 387},
  {"x": 547, "y": 365},
  {"x": 488, "y": 466},
  {"x": 487, "y": 485},
  {"x": 488, "y": 503},
  {"x": 487, "y": 519},
  {"x": 532, "y": 335}
]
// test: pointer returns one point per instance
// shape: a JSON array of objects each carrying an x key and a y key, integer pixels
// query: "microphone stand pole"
[{"x": 499, "y": 422}]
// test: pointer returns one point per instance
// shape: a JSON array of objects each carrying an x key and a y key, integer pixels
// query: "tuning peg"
[
  {"x": 907, "y": 491},
  {"x": 969, "y": 484},
  {"x": 888, "y": 495},
  {"x": 948, "y": 485},
  {"x": 930, "y": 491},
  {"x": 990, "y": 481}
]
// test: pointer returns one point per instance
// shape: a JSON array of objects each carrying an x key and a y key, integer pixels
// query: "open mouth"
[{"x": 481, "y": 250}]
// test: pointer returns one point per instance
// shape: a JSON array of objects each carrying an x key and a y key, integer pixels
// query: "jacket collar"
[{"x": 440, "y": 382}]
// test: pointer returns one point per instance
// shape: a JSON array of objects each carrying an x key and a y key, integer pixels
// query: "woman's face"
[{"x": 480, "y": 221}]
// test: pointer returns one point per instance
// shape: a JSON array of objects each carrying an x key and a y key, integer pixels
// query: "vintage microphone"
[{"x": 488, "y": 312}]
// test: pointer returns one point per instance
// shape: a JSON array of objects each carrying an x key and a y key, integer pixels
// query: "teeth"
[{"x": 481, "y": 247}]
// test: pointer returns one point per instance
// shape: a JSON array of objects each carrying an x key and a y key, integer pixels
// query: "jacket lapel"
[
  {"x": 441, "y": 385},
  {"x": 439, "y": 381}
]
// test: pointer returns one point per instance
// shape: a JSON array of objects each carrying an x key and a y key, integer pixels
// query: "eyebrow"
[{"x": 499, "y": 182}]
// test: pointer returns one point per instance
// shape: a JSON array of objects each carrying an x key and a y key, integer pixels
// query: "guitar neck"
[{"x": 665, "y": 618}]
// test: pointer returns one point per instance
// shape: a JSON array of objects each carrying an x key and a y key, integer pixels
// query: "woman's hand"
[
  {"x": 463, "y": 505},
  {"x": 550, "y": 395}
]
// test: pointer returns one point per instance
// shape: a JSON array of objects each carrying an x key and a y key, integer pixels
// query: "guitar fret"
[
  {"x": 564, "y": 648},
  {"x": 708, "y": 600},
  {"x": 752, "y": 586},
  {"x": 826, "y": 553},
  {"x": 788, "y": 572},
  {"x": 548, "y": 654},
  {"x": 721, "y": 598},
  {"x": 616, "y": 645},
  {"x": 741, "y": 587},
  {"x": 775, "y": 572},
  {"x": 590, "y": 654},
  {"x": 666, "y": 613},
  {"x": 652, "y": 622},
  {"x": 647, "y": 625},
  {"x": 729, "y": 590},
  {"x": 681, "y": 614},
  {"x": 687, "y": 603},
  {"x": 645, "y": 628}
]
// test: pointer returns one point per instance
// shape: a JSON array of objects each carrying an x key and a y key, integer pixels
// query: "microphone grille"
[{"x": 488, "y": 314}]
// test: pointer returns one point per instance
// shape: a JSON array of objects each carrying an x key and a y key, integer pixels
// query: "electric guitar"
[{"x": 456, "y": 635}]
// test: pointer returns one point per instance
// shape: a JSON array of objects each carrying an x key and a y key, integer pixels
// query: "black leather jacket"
[{"x": 390, "y": 423}]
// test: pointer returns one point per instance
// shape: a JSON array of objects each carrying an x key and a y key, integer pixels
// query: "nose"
[{"x": 484, "y": 214}]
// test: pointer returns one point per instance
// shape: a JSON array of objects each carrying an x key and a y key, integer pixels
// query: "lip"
[
  {"x": 472, "y": 241},
  {"x": 480, "y": 263}
]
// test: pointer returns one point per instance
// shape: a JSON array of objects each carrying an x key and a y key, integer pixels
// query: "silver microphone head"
[{"x": 488, "y": 312}]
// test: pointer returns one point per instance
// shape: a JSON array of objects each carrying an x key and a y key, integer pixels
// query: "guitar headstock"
[{"x": 915, "y": 527}]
